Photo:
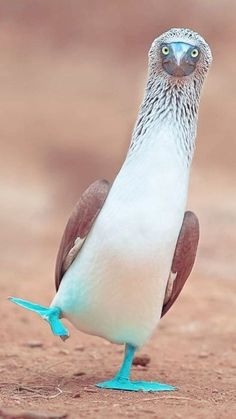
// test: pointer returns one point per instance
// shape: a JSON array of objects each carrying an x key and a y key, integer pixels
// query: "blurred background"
[{"x": 72, "y": 75}]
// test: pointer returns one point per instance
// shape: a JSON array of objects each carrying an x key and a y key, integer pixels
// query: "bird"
[{"x": 129, "y": 247}]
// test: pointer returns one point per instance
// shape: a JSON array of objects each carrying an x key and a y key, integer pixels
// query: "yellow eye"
[
  {"x": 194, "y": 53},
  {"x": 165, "y": 50}
]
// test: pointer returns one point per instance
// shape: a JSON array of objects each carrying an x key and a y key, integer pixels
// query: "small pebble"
[
  {"x": 64, "y": 351},
  {"x": 34, "y": 344},
  {"x": 90, "y": 390},
  {"x": 219, "y": 372},
  {"x": 95, "y": 355},
  {"x": 203, "y": 355},
  {"x": 79, "y": 374},
  {"x": 79, "y": 348},
  {"x": 142, "y": 360}
]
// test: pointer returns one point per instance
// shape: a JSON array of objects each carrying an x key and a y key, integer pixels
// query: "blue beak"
[{"x": 179, "y": 62}]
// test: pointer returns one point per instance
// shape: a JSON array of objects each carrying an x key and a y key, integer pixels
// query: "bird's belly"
[
  {"x": 119, "y": 298},
  {"x": 116, "y": 286}
]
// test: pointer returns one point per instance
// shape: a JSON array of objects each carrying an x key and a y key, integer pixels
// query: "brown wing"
[
  {"x": 79, "y": 225},
  {"x": 183, "y": 260}
]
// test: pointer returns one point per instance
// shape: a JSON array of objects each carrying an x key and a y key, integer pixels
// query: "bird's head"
[{"x": 178, "y": 55}]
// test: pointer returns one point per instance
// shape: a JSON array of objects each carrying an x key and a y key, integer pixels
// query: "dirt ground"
[{"x": 67, "y": 106}]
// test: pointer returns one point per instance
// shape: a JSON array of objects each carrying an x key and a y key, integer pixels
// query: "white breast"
[{"x": 115, "y": 287}]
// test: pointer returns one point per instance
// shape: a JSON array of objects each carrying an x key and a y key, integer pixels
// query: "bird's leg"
[
  {"x": 121, "y": 381},
  {"x": 51, "y": 314},
  {"x": 124, "y": 371}
]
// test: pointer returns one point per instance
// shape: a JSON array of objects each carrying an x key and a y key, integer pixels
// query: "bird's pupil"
[
  {"x": 165, "y": 50},
  {"x": 194, "y": 53}
]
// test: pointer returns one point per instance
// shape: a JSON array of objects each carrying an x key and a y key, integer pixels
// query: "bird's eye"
[
  {"x": 194, "y": 53},
  {"x": 165, "y": 50}
]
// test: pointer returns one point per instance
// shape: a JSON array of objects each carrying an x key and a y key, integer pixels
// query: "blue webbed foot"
[
  {"x": 121, "y": 381},
  {"x": 128, "y": 385},
  {"x": 50, "y": 314}
]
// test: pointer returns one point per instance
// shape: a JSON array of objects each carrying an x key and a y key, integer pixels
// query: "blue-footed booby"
[{"x": 129, "y": 247}]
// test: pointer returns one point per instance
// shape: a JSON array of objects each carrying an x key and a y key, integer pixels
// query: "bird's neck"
[{"x": 169, "y": 108}]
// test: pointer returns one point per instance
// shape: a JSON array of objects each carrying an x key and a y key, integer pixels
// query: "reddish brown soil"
[{"x": 68, "y": 102}]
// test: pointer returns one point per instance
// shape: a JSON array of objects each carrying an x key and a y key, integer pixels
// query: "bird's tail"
[{"x": 51, "y": 314}]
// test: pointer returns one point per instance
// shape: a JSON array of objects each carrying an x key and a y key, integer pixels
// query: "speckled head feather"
[{"x": 172, "y": 100}]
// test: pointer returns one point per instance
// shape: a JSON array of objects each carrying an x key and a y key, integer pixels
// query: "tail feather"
[{"x": 50, "y": 314}]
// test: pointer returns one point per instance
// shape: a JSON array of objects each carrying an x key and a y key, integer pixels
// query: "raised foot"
[
  {"x": 127, "y": 385},
  {"x": 50, "y": 314}
]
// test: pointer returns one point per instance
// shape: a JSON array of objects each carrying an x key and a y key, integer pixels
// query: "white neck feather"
[{"x": 169, "y": 108}]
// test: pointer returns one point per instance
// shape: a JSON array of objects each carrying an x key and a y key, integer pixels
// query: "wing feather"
[
  {"x": 79, "y": 225},
  {"x": 183, "y": 260}
]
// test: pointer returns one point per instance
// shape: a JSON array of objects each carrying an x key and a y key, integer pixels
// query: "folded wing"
[
  {"x": 79, "y": 225},
  {"x": 183, "y": 260}
]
